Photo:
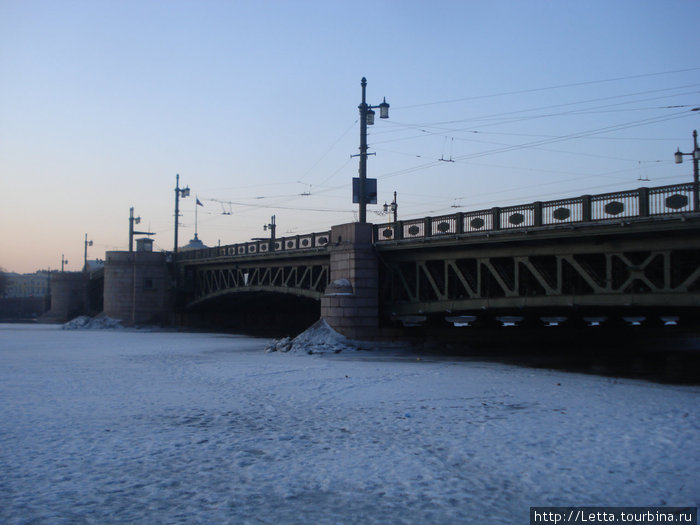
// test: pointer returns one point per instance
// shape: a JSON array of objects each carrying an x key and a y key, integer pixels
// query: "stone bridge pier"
[{"x": 350, "y": 304}]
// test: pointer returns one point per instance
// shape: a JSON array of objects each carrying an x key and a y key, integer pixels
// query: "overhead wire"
[
  {"x": 494, "y": 120},
  {"x": 342, "y": 136},
  {"x": 548, "y": 88},
  {"x": 570, "y": 136},
  {"x": 581, "y": 134},
  {"x": 421, "y": 126}
]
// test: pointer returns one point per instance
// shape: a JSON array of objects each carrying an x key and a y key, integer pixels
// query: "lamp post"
[
  {"x": 696, "y": 158},
  {"x": 366, "y": 119},
  {"x": 64, "y": 261},
  {"x": 133, "y": 220},
  {"x": 87, "y": 243},
  {"x": 272, "y": 227},
  {"x": 393, "y": 207},
  {"x": 179, "y": 192}
]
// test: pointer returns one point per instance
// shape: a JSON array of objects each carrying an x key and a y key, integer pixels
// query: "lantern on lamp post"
[
  {"x": 393, "y": 208},
  {"x": 678, "y": 156}
]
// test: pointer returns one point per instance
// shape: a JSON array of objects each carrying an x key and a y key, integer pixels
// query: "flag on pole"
[{"x": 199, "y": 203}]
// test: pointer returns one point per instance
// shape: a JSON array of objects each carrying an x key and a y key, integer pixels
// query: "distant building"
[
  {"x": 194, "y": 244},
  {"x": 27, "y": 284}
]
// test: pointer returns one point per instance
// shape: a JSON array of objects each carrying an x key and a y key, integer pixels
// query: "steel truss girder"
[
  {"x": 612, "y": 272},
  {"x": 295, "y": 277}
]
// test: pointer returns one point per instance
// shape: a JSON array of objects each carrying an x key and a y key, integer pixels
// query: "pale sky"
[{"x": 254, "y": 104}]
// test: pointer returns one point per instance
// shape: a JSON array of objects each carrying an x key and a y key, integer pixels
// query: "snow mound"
[
  {"x": 101, "y": 322},
  {"x": 319, "y": 338}
]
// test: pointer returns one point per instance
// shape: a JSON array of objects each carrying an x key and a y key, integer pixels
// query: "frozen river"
[{"x": 117, "y": 426}]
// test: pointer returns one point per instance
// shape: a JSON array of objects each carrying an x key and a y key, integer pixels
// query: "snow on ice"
[
  {"x": 117, "y": 426},
  {"x": 319, "y": 338},
  {"x": 99, "y": 322}
]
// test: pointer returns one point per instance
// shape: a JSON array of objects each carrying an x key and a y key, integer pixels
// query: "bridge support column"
[
  {"x": 138, "y": 287},
  {"x": 350, "y": 304}
]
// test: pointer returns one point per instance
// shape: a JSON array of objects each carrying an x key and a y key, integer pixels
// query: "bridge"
[{"x": 630, "y": 253}]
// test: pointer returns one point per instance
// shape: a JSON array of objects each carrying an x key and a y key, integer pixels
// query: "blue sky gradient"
[{"x": 254, "y": 103}]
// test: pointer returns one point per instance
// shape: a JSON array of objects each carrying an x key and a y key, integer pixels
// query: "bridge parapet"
[
  {"x": 282, "y": 244},
  {"x": 628, "y": 205}
]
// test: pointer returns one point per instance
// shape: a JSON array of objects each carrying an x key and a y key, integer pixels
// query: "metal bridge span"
[{"x": 632, "y": 251}]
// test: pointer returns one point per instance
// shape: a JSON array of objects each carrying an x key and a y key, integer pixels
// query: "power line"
[
  {"x": 559, "y": 86},
  {"x": 571, "y": 136},
  {"x": 421, "y": 126},
  {"x": 277, "y": 206},
  {"x": 581, "y": 134},
  {"x": 505, "y": 148},
  {"x": 328, "y": 151}
]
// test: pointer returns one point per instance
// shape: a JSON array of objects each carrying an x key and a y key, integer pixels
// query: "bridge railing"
[
  {"x": 282, "y": 244},
  {"x": 639, "y": 203}
]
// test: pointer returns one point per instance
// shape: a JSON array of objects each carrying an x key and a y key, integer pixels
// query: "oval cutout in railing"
[
  {"x": 290, "y": 244},
  {"x": 414, "y": 230},
  {"x": 614, "y": 208},
  {"x": 305, "y": 242},
  {"x": 387, "y": 233},
  {"x": 516, "y": 218},
  {"x": 322, "y": 241},
  {"x": 561, "y": 214},
  {"x": 477, "y": 223},
  {"x": 677, "y": 201},
  {"x": 443, "y": 227}
]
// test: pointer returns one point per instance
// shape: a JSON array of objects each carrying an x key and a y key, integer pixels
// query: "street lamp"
[
  {"x": 272, "y": 227},
  {"x": 133, "y": 220},
  {"x": 393, "y": 207},
  {"x": 696, "y": 158},
  {"x": 366, "y": 119},
  {"x": 87, "y": 243},
  {"x": 179, "y": 192}
]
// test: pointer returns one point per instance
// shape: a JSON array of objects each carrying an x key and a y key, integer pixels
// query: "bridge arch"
[{"x": 301, "y": 276}]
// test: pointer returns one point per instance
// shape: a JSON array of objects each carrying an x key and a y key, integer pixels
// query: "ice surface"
[{"x": 104, "y": 426}]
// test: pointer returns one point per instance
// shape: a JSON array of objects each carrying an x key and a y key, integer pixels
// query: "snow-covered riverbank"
[{"x": 127, "y": 426}]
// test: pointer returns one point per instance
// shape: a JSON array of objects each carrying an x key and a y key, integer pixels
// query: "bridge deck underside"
[{"x": 645, "y": 270}]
